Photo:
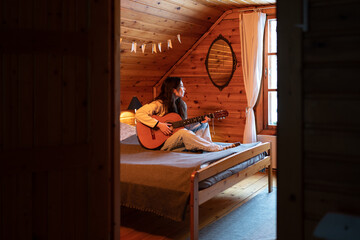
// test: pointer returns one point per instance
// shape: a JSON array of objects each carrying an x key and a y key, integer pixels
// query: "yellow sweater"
[{"x": 144, "y": 113}]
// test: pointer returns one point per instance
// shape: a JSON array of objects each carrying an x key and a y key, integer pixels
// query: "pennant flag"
[
  {"x": 153, "y": 48},
  {"x": 143, "y": 47},
  {"x": 133, "y": 47},
  {"x": 153, "y": 45}
]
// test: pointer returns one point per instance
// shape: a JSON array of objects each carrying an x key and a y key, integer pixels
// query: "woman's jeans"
[{"x": 193, "y": 138}]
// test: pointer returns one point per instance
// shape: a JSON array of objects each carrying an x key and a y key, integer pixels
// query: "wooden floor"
[{"x": 138, "y": 225}]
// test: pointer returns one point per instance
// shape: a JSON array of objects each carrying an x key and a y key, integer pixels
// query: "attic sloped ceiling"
[{"x": 157, "y": 21}]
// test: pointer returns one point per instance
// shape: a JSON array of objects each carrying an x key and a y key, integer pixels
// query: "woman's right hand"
[{"x": 165, "y": 128}]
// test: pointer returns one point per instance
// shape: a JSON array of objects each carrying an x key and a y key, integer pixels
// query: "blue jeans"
[{"x": 194, "y": 137}]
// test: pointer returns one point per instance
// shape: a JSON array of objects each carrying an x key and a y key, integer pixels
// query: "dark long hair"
[{"x": 168, "y": 97}]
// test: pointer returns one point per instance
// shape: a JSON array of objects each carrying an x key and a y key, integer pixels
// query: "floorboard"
[{"x": 138, "y": 225}]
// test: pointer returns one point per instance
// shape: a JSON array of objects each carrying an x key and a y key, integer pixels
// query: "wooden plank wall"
[
  {"x": 143, "y": 93},
  {"x": 148, "y": 22},
  {"x": 203, "y": 97},
  {"x": 331, "y": 106},
  {"x": 55, "y": 88}
]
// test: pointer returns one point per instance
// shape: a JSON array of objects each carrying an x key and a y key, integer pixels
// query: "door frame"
[{"x": 290, "y": 199}]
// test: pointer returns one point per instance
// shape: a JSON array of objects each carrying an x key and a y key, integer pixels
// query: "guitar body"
[{"x": 153, "y": 138}]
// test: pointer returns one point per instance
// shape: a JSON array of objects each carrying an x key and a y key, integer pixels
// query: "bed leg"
[
  {"x": 194, "y": 207},
  {"x": 270, "y": 176},
  {"x": 270, "y": 179}
]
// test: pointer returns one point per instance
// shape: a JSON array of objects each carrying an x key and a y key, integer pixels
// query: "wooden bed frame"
[{"x": 198, "y": 197}]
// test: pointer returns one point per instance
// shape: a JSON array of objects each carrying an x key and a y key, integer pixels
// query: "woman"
[{"x": 194, "y": 137}]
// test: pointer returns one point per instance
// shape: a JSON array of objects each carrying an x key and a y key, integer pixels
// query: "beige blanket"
[{"x": 159, "y": 181}]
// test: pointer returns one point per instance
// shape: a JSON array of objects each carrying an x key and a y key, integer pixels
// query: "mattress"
[
  {"x": 159, "y": 181},
  {"x": 231, "y": 171}
]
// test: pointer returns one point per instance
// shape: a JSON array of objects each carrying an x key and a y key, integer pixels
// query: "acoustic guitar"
[{"x": 153, "y": 138}]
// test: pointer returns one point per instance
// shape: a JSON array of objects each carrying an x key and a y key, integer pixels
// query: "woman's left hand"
[{"x": 207, "y": 119}]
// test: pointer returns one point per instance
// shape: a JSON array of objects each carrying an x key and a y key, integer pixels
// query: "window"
[
  {"x": 270, "y": 75},
  {"x": 266, "y": 109}
]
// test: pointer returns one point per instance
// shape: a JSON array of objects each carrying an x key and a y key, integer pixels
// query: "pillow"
[
  {"x": 133, "y": 140},
  {"x": 126, "y": 131}
]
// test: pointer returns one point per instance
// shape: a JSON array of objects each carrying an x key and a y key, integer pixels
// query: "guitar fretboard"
[{"x": 191, "y": 120}]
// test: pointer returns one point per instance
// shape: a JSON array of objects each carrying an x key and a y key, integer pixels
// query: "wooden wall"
[
  {"x": 141, "y": 71},
  {"x": 155, "y": 22},
  {"x": 143, "y": 93},
  {"x": 148, "y": 22},
  {"x": 58, "y": 123},
  {"x": 203, "y": 97}
]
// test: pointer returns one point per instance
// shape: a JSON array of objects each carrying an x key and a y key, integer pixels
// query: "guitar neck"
[{"x": 191, "y": 120}]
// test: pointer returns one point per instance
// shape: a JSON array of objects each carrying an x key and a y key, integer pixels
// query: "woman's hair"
[{"x": 168, "y": 97}]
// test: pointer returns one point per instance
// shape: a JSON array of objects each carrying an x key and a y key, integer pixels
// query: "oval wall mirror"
[{"x": 220, "y": 62}]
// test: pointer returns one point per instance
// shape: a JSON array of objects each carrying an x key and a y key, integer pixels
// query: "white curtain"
[{"x": 252, "y": 26}]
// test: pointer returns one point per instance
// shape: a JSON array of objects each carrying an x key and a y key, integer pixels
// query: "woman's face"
[{"x": 180, "y": 91}]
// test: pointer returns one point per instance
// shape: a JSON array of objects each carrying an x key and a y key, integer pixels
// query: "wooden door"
[
  {"x": 59, "y": 111},
  {"x": 318, "y": 131}
]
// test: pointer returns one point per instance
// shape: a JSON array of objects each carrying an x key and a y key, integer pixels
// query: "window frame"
[
  {"x": 262, "y": 108},
  {"x": 265, "y": 74}
]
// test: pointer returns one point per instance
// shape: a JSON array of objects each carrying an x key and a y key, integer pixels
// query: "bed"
[{"x": 166, "y": 182}]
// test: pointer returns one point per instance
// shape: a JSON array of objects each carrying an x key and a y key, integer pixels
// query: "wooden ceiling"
[{"x": 157, "y": 21}]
